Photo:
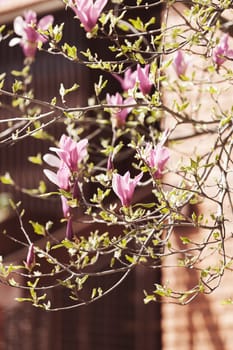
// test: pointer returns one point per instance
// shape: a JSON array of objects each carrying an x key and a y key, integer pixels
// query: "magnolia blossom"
[
  {"x": 180, "y": 62},
  {"x": 119, "y": 115},
  {"x": 144, "y": 79},
  {"x": 110, "y": 165},
  {"x": 140, "y": 75},
  {"x": 27, "y": 30},
  {"x": 71, "y": 152},
  {"x": 87, "y": 11},
  {"x": 65, "y": 207},
  {"x": 128, "y": 81},
  {"x": 62, "y": 177},
  {"x": 221, "y": 52},
  {"x": 156, "y": 158},
  {"x": 124, "y": 187}
]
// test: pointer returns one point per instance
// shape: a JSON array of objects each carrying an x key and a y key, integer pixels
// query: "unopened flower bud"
[
  {"x": 69, "y": 229},
  {"x": 30, "y": 261}
]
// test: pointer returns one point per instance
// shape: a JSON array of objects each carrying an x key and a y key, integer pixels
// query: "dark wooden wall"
[{"x": 119, "y": 321}]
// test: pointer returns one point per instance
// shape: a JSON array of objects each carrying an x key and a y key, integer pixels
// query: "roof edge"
[{"x": 8, "y": 11}]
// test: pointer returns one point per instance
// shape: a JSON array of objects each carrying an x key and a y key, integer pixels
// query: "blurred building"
[{"x": 118, "y": 321}]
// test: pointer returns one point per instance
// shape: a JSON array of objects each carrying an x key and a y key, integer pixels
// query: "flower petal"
[
  {"x": 45, "y": 22},
  {"x": 14, "y": 41},
  {"x": 19, "y": 26},
  {"x": 51, "y": 176},
  {"x": 52, "y": 160}
]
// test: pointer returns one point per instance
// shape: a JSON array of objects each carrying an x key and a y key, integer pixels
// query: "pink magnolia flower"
[
  {"x": 180, "y": 62},
  {"x": 143, "y": 78},
  {"x": 156, "y": 158},
  {"x": 87, "y": 11},
  {"x": 110, "y": 165},
  {"x": 221, "y": 52},
  {"x": 71, "y": 152},
  {"x": 65, "y": 207},
  {"x": 119, "y": 115},
  {"x": 128, "y": 81},
  {"x": 140, "y": 75},
  {"x": 61, "y": 178},
  {"x": 124, "y": 187},
  {"x": 27, "y": 28}
]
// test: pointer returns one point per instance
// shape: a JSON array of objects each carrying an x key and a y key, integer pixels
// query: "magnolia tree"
[{"x": 167, "y": 74}]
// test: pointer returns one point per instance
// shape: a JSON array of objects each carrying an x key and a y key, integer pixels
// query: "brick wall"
[{"x": 205, "y": 323}]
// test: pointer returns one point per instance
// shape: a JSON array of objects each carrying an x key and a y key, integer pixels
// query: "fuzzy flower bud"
[
  {"x": 180, "y": 63},
  {"x": 124, "y": 187},
  {"x": 69, "y": 229},
  {"x": 87, "y": 11},
  {"x": 156, "y": 158},
  {"x": 140, "y": 75},
  {"x": 144, "y": 80},
  {"x": 119, "y": 115},
  {"x": 221, "y": 52},
  {"x": 30, "y": 260},
  {"x": 71, "y": 152},
  {"x": 27, "y": 30}
]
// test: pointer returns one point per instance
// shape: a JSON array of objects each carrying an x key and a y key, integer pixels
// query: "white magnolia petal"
[
  {"x": 19, "y": 26},
  {"x": 51, "y": 176},
  {"x": 52, "y": 160},
  {"x": 14, "y": 41}
]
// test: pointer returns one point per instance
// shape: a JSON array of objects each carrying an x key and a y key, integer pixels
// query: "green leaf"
[
  {"x": 194, "y": 217},
  {"x": 100, "y": 86},
  {"x": 20, "y": 300},
  {"x": 137, "y": 23},
  {"x": 3, "y": 26},
  {"x": 17, "y": 86},
  {"x": 225, "y": 121},
  {"x": 185, "y": 240},
  {"x": 56, "y": 33},
  {"x": 38, "y": 228},
  {"x": 63, "y": 91},
  {"x": 94, "y": 292},
  {"x": 35, "y": 159},
  {"x": 130, "y": 259},
  {"x": 42, "y": 187},
  {"x": 70, "y": 51},
  {"x": 13, "y": 283},
  {"x": 228, "y": 301},
  {"x": 53, "y": 101},
  {"x": 22, "y": 73},
  {"x": 149, "y": 298},
  {"x": 2, "y": 84},
  {"x": 6, "y": 179}
]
